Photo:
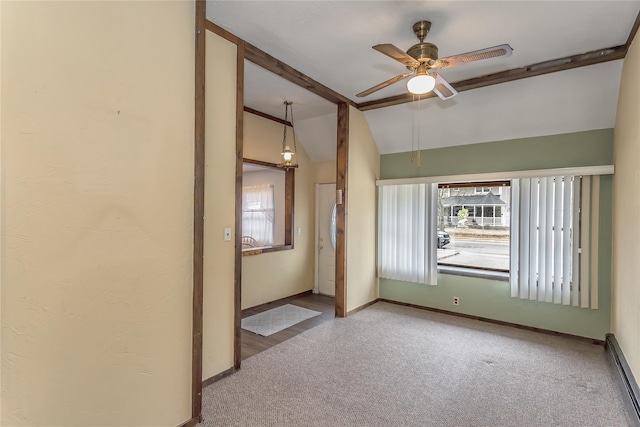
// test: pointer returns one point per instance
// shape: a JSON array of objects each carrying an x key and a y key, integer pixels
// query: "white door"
[{"x": 325, "y": 244}]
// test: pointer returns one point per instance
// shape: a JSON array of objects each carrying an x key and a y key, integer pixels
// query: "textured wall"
[
  {"x": 325, "y": 172},
  {"x": 363, "y": 170},
  {"x": 97, "y": 147},
  {"x": 626, "y": 229},
  {"x": 219, "y": 209}
]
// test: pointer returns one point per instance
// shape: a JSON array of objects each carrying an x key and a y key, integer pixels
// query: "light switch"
[
  {"x": 299, "y": 231},
  {"x": 227, "y": 234}
]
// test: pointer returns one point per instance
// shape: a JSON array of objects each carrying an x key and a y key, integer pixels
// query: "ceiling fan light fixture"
[{"x": 421, "y": 84}]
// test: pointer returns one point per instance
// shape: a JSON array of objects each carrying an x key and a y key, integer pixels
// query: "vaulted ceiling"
[{"x": 330, "y": 41}]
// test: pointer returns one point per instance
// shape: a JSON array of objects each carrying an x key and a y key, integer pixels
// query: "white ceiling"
[{"x": 330, "y": 41}]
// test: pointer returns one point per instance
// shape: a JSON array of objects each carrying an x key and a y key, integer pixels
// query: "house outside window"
[{"x": 477, "y": 220}]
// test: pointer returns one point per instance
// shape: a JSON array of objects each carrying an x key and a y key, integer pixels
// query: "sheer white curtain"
[
  {"x": 258, "y": 213},
  {"x": 546, "y": 252},
  {"x": 407, "y": 239}
]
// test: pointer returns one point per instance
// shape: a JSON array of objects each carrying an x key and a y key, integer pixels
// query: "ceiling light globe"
[{"x": 421, "y": 84}]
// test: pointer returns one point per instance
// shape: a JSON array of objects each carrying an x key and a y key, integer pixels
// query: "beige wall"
[
  {"x": 325, "y": 172},
  {"x": 363, "y": 170},
  {"x": 219, "y": 210},
  {"x": 97, "y": 145},
  {"x": 270, "y": 276},
  {"x": 625, "y": 316}
]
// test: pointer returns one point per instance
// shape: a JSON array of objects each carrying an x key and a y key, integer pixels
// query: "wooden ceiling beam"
[
  {"x": 269, "y": 63},
  {"x": 540, "y": 68},
  {"x": 267, "y": 116}
]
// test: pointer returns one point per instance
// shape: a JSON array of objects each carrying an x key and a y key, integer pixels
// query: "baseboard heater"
[{"x": 624, "y": 378}]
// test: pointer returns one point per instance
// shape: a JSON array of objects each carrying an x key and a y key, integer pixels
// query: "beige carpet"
[{"x": 390, "y": 365}]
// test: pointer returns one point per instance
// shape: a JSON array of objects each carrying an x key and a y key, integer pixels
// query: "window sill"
[
  {"x": 502, "y": 276},
  {"x": 265, "y": 249}
]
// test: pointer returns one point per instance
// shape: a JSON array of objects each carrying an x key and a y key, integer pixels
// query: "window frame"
[
  {"x": 468, "y": 271},
  {"x": 289, "y": 199}
]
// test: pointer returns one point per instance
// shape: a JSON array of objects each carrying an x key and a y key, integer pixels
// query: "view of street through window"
[
  {"x": 473, "y": 224},
  {"x": 485, "y": 249}
]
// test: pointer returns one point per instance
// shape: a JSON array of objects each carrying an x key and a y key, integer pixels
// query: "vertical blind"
[
  {"x": 407, "y": 235},
  {"x": 550, "y": 255}
]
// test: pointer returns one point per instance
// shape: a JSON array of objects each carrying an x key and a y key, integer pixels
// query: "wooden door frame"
[{"x": 266, "y": 61}]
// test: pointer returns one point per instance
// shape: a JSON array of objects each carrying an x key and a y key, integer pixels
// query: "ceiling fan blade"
[
  {"x": 397, "y": 54},
  {"x": 476, "y": 55},
  {"x": 443, "y": 89},
  {"x": 383, "y": 85}
]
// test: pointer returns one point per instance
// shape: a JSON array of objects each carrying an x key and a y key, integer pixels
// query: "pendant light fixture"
[{"x": 288, "y": 161}]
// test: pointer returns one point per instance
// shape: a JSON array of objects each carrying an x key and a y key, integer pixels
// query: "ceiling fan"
[{"x": 422, "y": 57}]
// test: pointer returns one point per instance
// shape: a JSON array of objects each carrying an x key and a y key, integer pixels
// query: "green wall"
[
  {"x": 589, "y": 148},
  {"x": 491, "y": 298}
]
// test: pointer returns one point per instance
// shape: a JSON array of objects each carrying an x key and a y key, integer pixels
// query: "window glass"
[
  {"x": 332, "y": 226},
  {"x": 473, "y": 226}
]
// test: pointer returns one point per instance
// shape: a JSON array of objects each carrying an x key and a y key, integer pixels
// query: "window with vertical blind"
[
  {"x": 553, "y": 242},
  {"x": 407, "y": 241}
]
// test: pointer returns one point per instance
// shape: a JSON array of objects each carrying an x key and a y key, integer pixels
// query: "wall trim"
[
  {"x": 284, "y": 299},
  {"x": 497, "y": 322},
  {"x": 191, "y": 422},
  {"x": 198, "y": 208},
  {"x": 218, "y": 377},
  {"x": 342, "y": 187},
  {"x": 624, "y": 378},
  {"x": 362, "y": 307},
  {"x": 494, "y": 176}
]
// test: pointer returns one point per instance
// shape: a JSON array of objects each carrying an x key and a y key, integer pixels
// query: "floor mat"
[{"x": 271, "y": 321}]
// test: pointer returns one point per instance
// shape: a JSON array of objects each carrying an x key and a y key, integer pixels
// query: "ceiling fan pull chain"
[
  {"x": 413, "y": 129},
  {"x": 418, "y": 121}
]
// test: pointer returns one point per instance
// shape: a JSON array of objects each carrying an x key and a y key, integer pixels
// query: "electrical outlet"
[{"x": 456, "y": 301}]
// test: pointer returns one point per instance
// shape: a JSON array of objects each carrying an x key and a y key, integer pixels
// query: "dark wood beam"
[
  {"x": 632, "y": 33},
  {"x": 198, "y": 211},
  {"x": 342, "y": 169},
  {"x": 268, "y": 62},
  {"x": 267, "y": 116},
  {"x": 540, "y": 68},
  {"x": 221, "y": 32},
  {"x": 237, "y": 282}
]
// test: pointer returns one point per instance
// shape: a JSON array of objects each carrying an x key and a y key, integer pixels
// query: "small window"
[{"x": 474, "y": 226}]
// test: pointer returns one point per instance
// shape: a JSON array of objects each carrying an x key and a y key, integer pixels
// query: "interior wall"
[
  {"x": 325, "y": 172},
  {"x": 589, "y": 148},
  {"x": 219, "y": 205},
  {"x": 97, "y": 151},
  {"x": 491, "y": 298},
  {"x": 363, "y": 171},
  {"x": 626, "y": 201},
  {"x": 273, "y": 275}
]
